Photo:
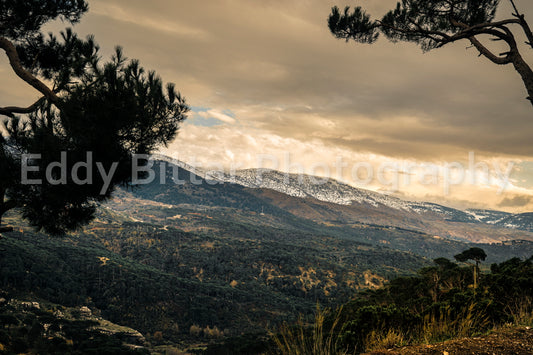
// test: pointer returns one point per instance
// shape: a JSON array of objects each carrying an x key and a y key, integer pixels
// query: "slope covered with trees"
[
  {"x": 184, "y": 284},
  {"x": 201, "y": 273}
]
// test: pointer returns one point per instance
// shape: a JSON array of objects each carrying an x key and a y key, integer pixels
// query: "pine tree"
[
  {"x": 108, "y": 111},
  {"x": 475, "y": 254},
  {"x": 436, "y": 23}
]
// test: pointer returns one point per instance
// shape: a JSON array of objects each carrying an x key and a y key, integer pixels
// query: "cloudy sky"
[{"x": 269, "y": 86}]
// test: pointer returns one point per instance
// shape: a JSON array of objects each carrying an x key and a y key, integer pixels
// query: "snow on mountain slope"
[
  {"x": 488, "y": 216},
  {"x": 333, "y": 191},
  {"x": 523, "y": 221},
  {"x": 301, "y": 185}
]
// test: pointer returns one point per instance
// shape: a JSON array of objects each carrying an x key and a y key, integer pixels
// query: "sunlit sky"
[{"x": 269, "y": 85}]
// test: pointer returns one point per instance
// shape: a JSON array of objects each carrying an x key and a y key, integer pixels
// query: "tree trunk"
[
  {"x": 4, "y": 207},
  {"x": 475, "y": 276},
  {"x": 2, "y": 203},
  {"x": 525, "y": 72}
]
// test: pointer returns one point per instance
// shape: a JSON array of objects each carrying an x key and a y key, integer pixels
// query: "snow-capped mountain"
[
  {"x": 333, "y": 191},
  {"x": 389, "y": 208}
]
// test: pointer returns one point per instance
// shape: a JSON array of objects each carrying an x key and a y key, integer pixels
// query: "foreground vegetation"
[{"x": 437, "y": 304}]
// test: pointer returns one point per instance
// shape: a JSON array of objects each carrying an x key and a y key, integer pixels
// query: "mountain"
[
  {"x": 331, "y": 201},
  {"x": 333, "y": 191},
  {"x": 176, "y": 269},
  {"x": 422, "y": 228},
  {"x": 327, "y": 190}
]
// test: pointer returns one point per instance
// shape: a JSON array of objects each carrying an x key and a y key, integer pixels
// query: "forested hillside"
[
  {"x": 156, "y": 278},
  {"x": 188, "y": 270}
]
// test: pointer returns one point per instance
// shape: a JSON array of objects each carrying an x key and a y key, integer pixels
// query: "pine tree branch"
[
  {"x": 483, "y": 28},
  {"x": 527, "y": 31},
  {"x": 487, "y": 53},
  {"x": 427, "y": 33},
  {"x": 471, "y": 31},
  {"x": 6, "y": 112},
  {"x": 525, "y": 25},
  {"x": 10, "y": 111},
  {"x": 485, "y": 24},
  {"x": 465, "y": 33},
  {"x": 25, "y": 75}
]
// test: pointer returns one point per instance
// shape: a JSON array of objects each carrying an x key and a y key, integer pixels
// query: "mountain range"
[{"x": 333, "y": 200}]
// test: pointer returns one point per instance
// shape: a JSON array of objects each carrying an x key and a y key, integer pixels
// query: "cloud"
[
  {"x": 291, "y": 86},
  {"x": 125, "y": 14},
  {"x": 516, "y": 201},
  {"x": 218, "y": 115},
  {"x": 244, "y": 147},
  {"x": 276, "y": 65}
]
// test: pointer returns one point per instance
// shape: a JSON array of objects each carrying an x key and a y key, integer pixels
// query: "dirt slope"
[{"x": 506, "y": 341}]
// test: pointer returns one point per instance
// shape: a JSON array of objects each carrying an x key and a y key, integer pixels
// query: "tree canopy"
[
  {"x": 475, "y": 254},
  {"x": 100, "y": 113},
  {"x": 436, "y": 23}
]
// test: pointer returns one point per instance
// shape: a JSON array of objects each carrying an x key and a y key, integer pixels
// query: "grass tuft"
[{"x": 315, "y": 339}]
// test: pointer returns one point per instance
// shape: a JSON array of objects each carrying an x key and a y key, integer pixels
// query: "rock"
[
  {"x": 86, "y": 311},
  {"x": 29, "y": 305}
]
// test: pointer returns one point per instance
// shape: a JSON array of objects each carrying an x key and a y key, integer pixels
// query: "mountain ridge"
[{"x": 339, "y": 193}]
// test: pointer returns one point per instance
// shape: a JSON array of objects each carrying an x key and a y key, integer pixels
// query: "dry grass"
[
  {"x": 379, "y": 340},
  {"x": 304, "y": 339},
  {"x": 309, "y": 340},
  {"x": 446, "y": 326},
  {"x": 522, "y": 312},
  {"x": 434, "y": 328}
]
